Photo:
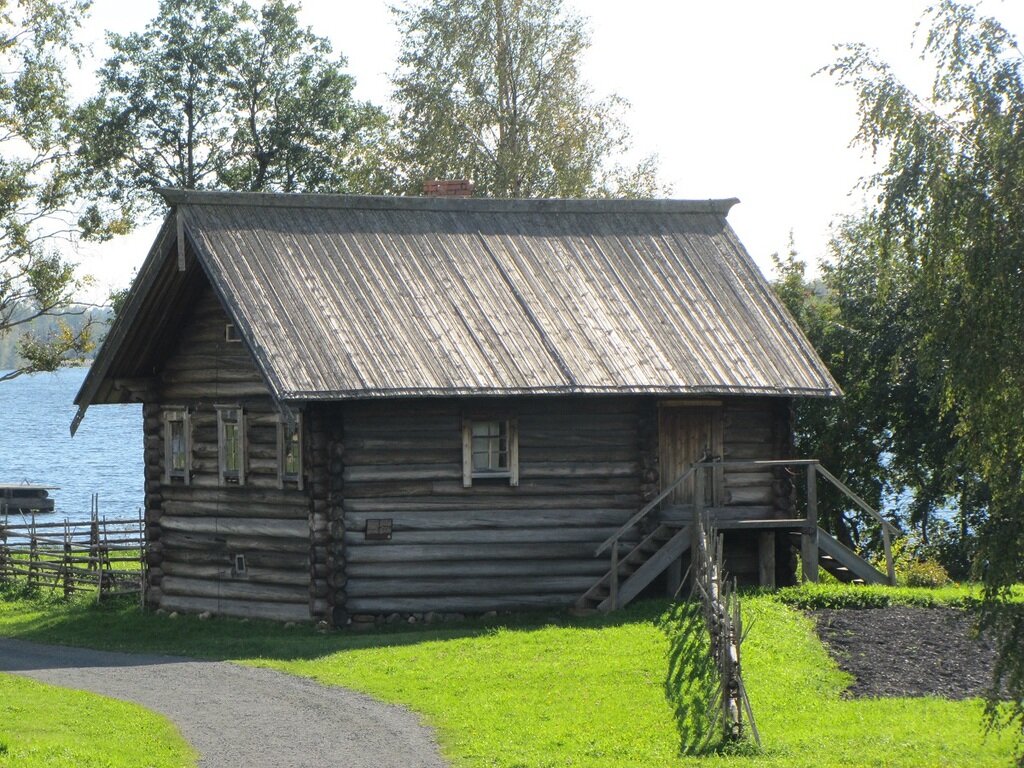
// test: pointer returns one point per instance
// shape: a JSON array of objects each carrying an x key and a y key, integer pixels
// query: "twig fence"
[
  {"x": 720, "y": 606},
  {"x": 101, "y": 555}
]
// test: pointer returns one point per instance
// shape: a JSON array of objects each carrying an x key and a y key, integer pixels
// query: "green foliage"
[
  {"x": 52, "y": 340},
  {"x": 490, "y": 90},
  {"x": 39, "y": 184},
  {"x": 546, "y": 690},
  {"x": 220, "y": 95},
  {"x": 951, "y": 206},
  {"x": 924, "y": 573},
  {"x": 42, "y": 726},
  {"x": 914, "y": 564}
]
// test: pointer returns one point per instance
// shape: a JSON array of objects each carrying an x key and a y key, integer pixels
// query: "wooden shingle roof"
[{"x": 354, "y": 297}]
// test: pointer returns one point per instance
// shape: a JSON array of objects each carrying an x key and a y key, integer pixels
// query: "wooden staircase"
[
  {"x": 631, "y": 572},
  {"x": 841, "y": 561},
  {"x": 641, "y": 565}
]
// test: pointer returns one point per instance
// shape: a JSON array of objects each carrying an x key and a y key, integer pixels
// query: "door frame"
[{"x": 714, "y": 411}]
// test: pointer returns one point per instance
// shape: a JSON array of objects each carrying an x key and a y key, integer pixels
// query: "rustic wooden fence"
[
  {"x": 720, "y": 606},
  {"x": 103, "y": 555}
]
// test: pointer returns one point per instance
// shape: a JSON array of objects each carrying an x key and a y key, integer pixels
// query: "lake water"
[{"x": 36, "y": 446}]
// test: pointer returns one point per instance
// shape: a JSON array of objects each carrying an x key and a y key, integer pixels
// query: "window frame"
[
  {"x": 469, "y": 474},
  {"x": 236, "y": 476},
  {"x": 182, "y": 415},
  {"x": 285, "y": 478}
]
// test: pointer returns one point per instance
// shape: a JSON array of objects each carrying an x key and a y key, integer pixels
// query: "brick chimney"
[{"x": 448, "y": 188}]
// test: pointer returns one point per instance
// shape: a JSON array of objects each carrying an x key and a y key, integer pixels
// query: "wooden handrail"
[
  {"x": 813, "y": 466},
  {"x": 888, "y": 529},
  {"x": 857, "y": 500},
  {"x": 646, "y": 509}
]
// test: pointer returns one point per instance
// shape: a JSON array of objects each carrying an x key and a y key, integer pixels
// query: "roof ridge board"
[{"x": 717, "y": 207}]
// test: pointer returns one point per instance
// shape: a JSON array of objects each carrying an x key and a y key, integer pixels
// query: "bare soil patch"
[{"x": 906, "y": 651}]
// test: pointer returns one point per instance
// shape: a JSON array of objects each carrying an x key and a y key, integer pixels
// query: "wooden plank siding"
[{"x": 197, "y": 529}]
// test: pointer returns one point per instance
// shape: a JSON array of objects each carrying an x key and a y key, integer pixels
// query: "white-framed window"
[
  {"x": 177, "y": 446},
  {"x": 289, "y": 451},
  {"x": 231, "y": 448},
  {"x": 490, "y": 450},
  {"x": 231, "y": 333}
]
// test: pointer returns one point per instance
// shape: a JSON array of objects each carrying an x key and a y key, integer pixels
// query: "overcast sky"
[{"x": 725, "y": 93}]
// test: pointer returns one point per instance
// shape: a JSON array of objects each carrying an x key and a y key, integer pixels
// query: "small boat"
[{"x": 24, "y": 498}]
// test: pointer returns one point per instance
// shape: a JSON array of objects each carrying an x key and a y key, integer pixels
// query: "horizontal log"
[
  {"x": 522, "y": 406},
  {"x": 762, "y": 436},
  {"x": 495, "y": 489},
  {"x": 427, "y": 520},
  {"x": 492, "y": 536},
  {"x": 461, "y": 604},
  {"x": 253, "y": 574},
  {"x": 253, "y": 482},
  {"x": 196, "y": 361},
  {"x": 748, "y": 450},
  {"x": 754, "y": 495},
  {"x": 214, "y": 391},
  {"x": 401, "y": 471},
  {"x": 439, "y": 587},
  {"x": 230, "y": 543},
  {"x": 450, "y": 453},
  {"x": 388, "y": 507},
  {"x": 747, "y": 479},
  {"x": 239, "y": 508},
  {"x": 234, "y": 589},
  {"x": 210, "y": 378},
  {"x": 402, "y": 553},
  {"x": 290, "y": 561},
  {"x": 236, "y": 495},
  {"x": 242, "y": 609},
  {"x": 684, "y": 512},
  {"x": 245, "y": 526},
  {"x": 460, "y": 569}
]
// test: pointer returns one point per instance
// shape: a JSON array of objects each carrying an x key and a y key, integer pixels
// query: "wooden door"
[{"x": 685, "y": 435}]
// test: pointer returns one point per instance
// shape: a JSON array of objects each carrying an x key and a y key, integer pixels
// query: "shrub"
[{"x": 927, "y": 572}]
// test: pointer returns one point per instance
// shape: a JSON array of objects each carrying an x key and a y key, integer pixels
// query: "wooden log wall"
[
  {"x": 758, "y": 428},
  {"x": 491, "y": 546},
  {"x": 197, "y": 529}
]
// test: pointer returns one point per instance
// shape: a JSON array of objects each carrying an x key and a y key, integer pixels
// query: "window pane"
[
  {"x": 489, "y": 446},
  {"x": 231, "y": 463},
  {"x": 291, "y": 449},
  {"x": 177, "y": 457}
]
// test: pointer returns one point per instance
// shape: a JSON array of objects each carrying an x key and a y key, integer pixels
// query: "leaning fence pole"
[
  {"x": 33, "y": 552},
  {"x": 4, "y": 551},
  {"x": 143, "y": 577},
  {"x": 69, "y": 584}
]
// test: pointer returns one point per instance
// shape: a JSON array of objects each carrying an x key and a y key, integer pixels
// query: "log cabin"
[{"x": 358, "y": 407}]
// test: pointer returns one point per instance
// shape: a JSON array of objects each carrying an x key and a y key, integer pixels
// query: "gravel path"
[
  {"x": 240, "y": 716},
  {"x": 905, "y": 651}
]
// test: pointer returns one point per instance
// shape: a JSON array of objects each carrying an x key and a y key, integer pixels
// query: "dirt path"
[{"x": 240, "y": 716}]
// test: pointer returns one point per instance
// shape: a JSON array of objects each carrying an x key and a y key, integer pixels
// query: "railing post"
[
  {"x": 698, "y": 493},
  {"x": 809, "y": 540},
  {"x": 613, "y": 593},
  {"x": 889, "y": 567}
]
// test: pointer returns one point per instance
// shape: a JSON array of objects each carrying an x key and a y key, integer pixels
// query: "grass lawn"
[
  {"x": 45, "y": 727},
  {"x": 547, "y": 690}
]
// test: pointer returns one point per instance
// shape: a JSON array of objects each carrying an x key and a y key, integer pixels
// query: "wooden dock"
[{"x": 26, "y": 499}]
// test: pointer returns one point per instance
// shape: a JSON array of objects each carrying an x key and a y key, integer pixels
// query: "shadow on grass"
[
  {"x": 690, "y": 682},
  {"x": 119, "y": 625}
]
